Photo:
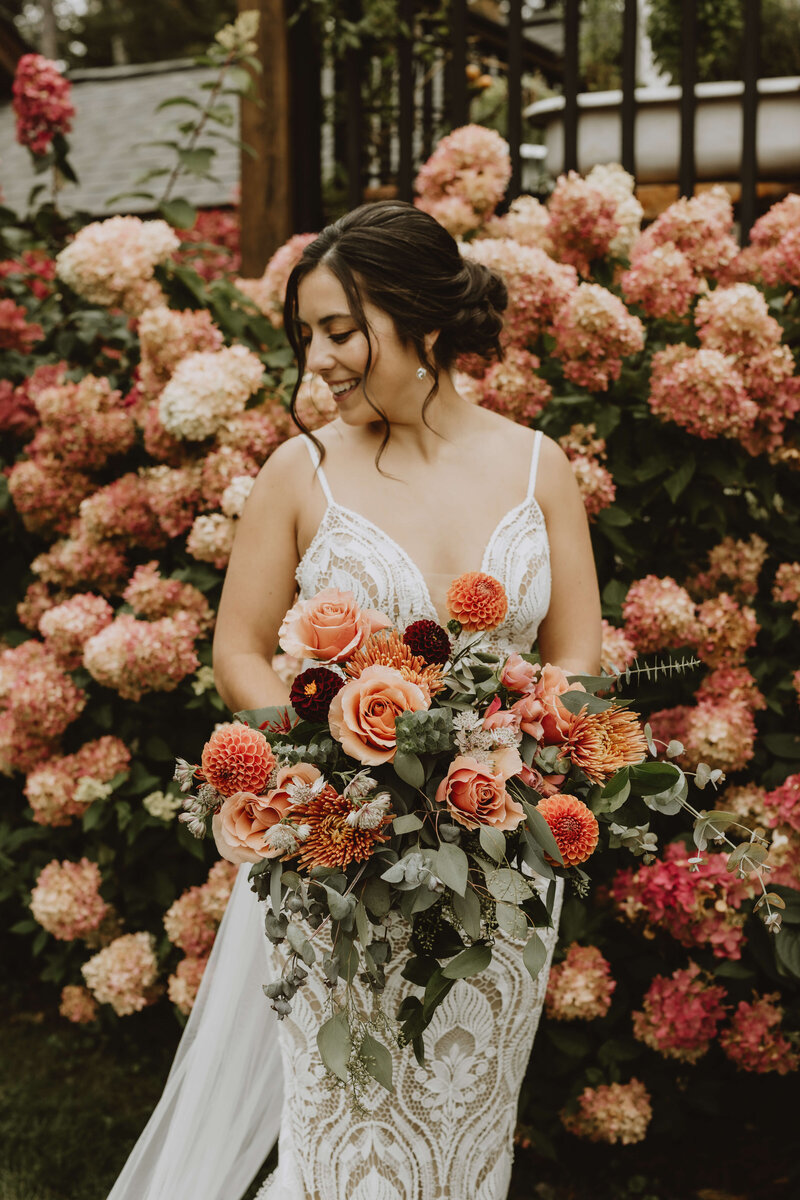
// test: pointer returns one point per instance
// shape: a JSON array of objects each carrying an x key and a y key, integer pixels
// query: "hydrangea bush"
[{"x": 143, "y": 387}]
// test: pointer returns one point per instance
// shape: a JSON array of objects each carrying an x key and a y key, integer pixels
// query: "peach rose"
[
  {"x": 496, "y": 717},
  {"x": 556, "y": 719},
  {"x": 529, "y": 712},
  {"x": 519, "y": 675},
  {"x": 475, "y": 796},
  {"x": 545, "y": 785},
  {"x": 329, "y": 627},
  {"x": 363, "y": 713},
  {"x": 506, "y": 761},
  {"x": 298, "y": 773},
  {"x": 241, "y": 823}
]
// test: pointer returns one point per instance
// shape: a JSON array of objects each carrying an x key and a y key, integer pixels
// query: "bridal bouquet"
[{"x": 421, "y": 774}]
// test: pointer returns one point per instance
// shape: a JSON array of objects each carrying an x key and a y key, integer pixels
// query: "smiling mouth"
[{"x": 344, "y": 389}]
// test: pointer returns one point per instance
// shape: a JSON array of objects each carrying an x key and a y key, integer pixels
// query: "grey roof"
[{"x": 115, "y": 112}]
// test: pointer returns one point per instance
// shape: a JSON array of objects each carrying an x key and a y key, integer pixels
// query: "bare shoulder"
[
  {"x": 288, "y": 465},
  {"x": 555, "y": 479}
]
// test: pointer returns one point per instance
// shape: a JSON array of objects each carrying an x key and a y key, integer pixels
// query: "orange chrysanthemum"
[
  {"x": 478, "y": 601},
  {"x": 573, "y": 825},
  {"x": 601, "y": 743},
  {"x": 387, "y": 649},
  {"x": 237, "y": 758},
  {"x": 331, "y": 842}
]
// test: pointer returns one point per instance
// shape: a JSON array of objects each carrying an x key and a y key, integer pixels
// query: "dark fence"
[{"x": 409, "y": 118}]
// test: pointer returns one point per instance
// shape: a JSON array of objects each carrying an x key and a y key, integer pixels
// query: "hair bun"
[{"x": 477, "y": 322}]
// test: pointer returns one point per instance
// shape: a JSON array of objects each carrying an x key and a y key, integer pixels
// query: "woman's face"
[{"x": 337, "y": 350}]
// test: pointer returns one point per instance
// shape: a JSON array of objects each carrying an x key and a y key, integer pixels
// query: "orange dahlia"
[
  {"x": 237, "y": 758},
  {"x": 573, "y": 825},
  {"x": 478, "y": 601},
  {"x": 331, "y": 841},
  {"x": 387, "y": 649},
  {"x": 601, "y": 743}
]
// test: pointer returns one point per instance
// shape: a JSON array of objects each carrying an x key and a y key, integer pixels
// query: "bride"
[{"x": 411, "y": 486}]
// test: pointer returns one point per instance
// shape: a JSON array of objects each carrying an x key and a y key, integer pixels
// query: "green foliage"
[{"x": 720, "y": 29}]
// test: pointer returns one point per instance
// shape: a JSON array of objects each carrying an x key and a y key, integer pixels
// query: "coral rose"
[
  {"x": 475, "y": 796},
  {"x": 241, "y": 823},
  {"x": 363, "y": 713},
  {"x": 556, "y": 719},
  {"x": 518, "y": 675},
  {"x": 545, "y": 785},
  {"x": 329, "y": 626},
  {"x": 529, "y": 712},
  {"x": 237, "y": 758},
  {"x": 279, "y": 795},
  {"x": 573, "y": 825},
  {"x": 478, "y": 601}
]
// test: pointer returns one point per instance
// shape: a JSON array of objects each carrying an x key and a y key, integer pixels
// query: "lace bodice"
[{"x": 351, "y": 552}]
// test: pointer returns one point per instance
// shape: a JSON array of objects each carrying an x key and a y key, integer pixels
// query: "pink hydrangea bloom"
[
  {"x": 16, "y": 332},
  {"x": 136, "y": 657},
  {"x": 619, "y": 186},
  {"x": 680, "y": 1014},
  {"x": 582, "y": 222},
  {"x": 471, "y": 165},
  {"x": 20, "y": 747},
  {"x": 269, "y": 292},
  {"x": 661, "y": 282},
  {"x": 124, "y": 974},
  {"x": 206, "y": 389},
  {"x": 191, "y": 922},
  {"x": 82, "y": 424},
  {"x": 111, "y": 263},
  {"x": 220, "y": 467},
  {"x": 46, "y": 495},
  {"x": 701, "y": 391},
  {"x": 67, "y": 627},
  {"x": 211, "y": 539},
  {"x": 78, "y": 1005},
  {"x": 66, "y": 899},
  {"x": 580, "y": 987},
  {"x": 594, "y": 332},
  {"x": 659, "y": 614},
  {"x": 612, "y": 1113},
  {"x": 41, "y": 102},
  {"x": 538, "y": 287},
  {"x": 254, "y": 432},
  {"x": 720, "y": 733},
  {"x": 512, "y": 386},
  {"x": 733, "y": 684},
  {"x": 79, "y": 562},
  {"x": 53, "y": 786},
  {"x": 173, "y": 495},
  {"x": 527, "y": 222},
  {"x": 782, "y": 804},
  {"x": 736, "y": 321},
  {"x": 725, "y": 631},
  {"x": 122, "y": 510},
  {"x": 700, "y": 227},
  {"x": 595, "y": 482},
  {"x": 754, "y": 1042},
  {"x": 786, "y": 587},
  {"x": 618, "y": 652},
  {"x": 166, "y": 336},
  {"x": 19, "y": 415},
  {"x": 36, "y": 692},
  {"x": 38, "y": 599},
  {"x": 153, "y": 597},
  {"x": 737, "y": 563},
  {"x": 183, "y": 985},
  {"x": 698, "y": 907}
]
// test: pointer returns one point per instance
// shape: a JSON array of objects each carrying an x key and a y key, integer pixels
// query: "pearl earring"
[{"x": 421, "y": 372}]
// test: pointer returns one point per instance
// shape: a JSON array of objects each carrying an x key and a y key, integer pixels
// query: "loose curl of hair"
[{"x": 402, "y": 261}]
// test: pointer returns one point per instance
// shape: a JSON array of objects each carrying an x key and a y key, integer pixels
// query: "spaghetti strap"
[
  {"x": 537, "y": 443},
  {"x": 314, "y": 455}
]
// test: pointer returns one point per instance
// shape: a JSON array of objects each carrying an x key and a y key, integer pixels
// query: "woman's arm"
[
  {"x": 570, "y": 636},
  {"x": 260, "y": 585}
]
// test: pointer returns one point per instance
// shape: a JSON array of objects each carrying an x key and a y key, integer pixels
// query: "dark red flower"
[
  {"x": 428, "y": 640},
  {"x": 312, "y": 692}
]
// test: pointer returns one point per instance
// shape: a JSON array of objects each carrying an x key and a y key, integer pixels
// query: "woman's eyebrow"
[{"x": 327, "y": 320}]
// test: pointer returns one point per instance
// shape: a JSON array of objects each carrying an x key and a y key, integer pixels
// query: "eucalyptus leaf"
[
  {"x": 534, "y": 955},
  {"x": 467, "y": 909},
  {"x": 409, "y": 768},
  {"x": 471, "y": 961},
  {"x": 511, "y": 920},
  {"x": 275, "y": 894},
  {"x": 493, "y": 842},
  {"x": 377, "y": 1060},
  {"x": 377, "y": 896},
  {"x": 507, "y": 885},
  {"x": 362, "y": 924},
  {"x": 452, "y": 867},
  {"x": 334, "y": 1044},
  {"x": 542, "y": 832},
  {"x": 406, "y": 823}
]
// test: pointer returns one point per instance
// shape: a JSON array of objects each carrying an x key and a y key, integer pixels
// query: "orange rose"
[
  {"x": 529, "y": 712},
  {"x": 556, "y": 719},
  {"x": 329, "y": 627},
  {"x": 363, "y": 713},
  {"x": 475, "y": 796},
  {"x": 241, "y": 823},
  {"x": 518, "y": 675}
]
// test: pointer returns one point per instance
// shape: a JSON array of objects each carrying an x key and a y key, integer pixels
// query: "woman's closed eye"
[{"x": 340, "y": 338}]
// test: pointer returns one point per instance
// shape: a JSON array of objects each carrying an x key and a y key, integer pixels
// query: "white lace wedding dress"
[
  {"x": 447, "y": 1131},
  {"x": 240, "y": 1078}
]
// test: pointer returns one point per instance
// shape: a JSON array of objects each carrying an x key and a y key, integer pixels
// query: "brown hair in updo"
[{"x": 404, "y": 262}]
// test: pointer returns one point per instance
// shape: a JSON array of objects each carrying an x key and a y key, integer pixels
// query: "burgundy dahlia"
[
  {"x": 312, "y": 692},
  {"x": 428, "y": 640}
]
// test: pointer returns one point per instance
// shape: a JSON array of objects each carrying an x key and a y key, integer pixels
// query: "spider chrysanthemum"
[
  {"x": 312, "y": 692},
  {"x": 387, "y": 649},
  {"x": 573, "y": 825},
  {"x": 478, "y": 601},
  {"x": 331, "y": 841},
  {"x": 237, "y": 758},
  {"x": 603, "y": 742}
]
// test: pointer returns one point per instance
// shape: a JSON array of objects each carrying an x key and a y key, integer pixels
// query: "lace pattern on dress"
[{"x": 352, "y": 553}]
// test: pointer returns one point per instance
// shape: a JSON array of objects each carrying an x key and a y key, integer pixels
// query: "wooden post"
[{"x": 266, "y": 187}]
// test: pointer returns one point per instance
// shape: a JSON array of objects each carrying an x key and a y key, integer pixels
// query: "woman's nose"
[{"x": 319, "y": 356}]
